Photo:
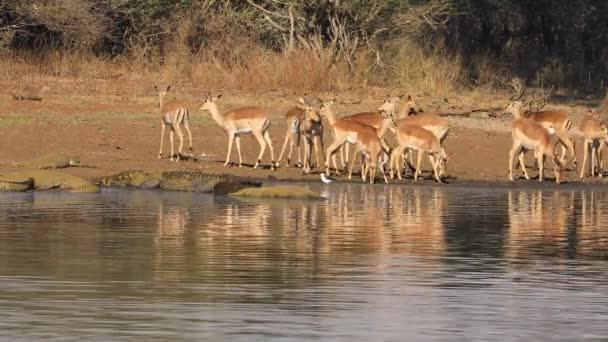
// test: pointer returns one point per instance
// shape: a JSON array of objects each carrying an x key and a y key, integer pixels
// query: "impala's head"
[
  {"x": 210, "y": 101},
  {"x": 390, "y": 106},
  {"x": 326, "y": 106},
  {"x": 162, "y": 94},
  {"x": 311, "y": 110}
]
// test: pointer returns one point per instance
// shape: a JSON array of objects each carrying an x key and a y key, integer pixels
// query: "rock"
[{"x": 279, "y": 191}]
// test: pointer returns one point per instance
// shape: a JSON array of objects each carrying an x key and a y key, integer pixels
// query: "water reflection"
[{"x": 121, "y": 264}]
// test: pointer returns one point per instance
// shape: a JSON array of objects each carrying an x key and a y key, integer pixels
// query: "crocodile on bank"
[
  {"x": 195, "y": 181},
  {"x": 12, "y": 182},
  {"x": 44, "y": 180},
  {"x": 52, "y": 161},
  {"x": 132, "y": 178}
]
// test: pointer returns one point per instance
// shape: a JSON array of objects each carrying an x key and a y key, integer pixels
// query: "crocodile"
[
  {"x": 45, "y": 180},
  {"x": 132, "y": 178},
  {"x": 200, "y": 181},
  {"x": 16, "y": 183},
  {"x": 52, "y": 161}
]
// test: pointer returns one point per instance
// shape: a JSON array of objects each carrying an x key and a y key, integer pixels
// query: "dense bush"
[{"x": 428, "y": 44}]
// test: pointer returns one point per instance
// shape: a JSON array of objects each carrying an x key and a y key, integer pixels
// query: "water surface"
[{"x": 372, "y": 263}]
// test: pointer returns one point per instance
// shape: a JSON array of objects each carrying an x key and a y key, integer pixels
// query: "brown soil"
[{"x": 115, "y": 127}]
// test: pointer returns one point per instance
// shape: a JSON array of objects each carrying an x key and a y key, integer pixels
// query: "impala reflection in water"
[{"x": 369, "y": 263}]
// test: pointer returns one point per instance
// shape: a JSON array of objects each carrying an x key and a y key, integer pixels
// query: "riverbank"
[{"x": 115, "y": 127}]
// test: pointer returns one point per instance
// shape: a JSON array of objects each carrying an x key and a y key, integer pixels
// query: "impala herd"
[{"x": 537, "y": 131}]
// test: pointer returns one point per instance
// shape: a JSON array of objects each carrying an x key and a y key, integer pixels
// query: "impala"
[
  {"x": 558, "y": 120},
  {"x": 408, "y": 115},
  {"x": 311, "y": 128},
  {"x": 244, "y": 120},
  {"x": 293, "y": 117},
  {"x": 365, "y": 137},
  {"x": 530, "y": 135},
  {"x": 413, "y": 137},
  {"x": 173, "y": 114},
  {"x": 595, "y": 135}
]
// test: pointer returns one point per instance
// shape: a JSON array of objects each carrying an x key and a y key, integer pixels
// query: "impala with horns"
[
  {"x": 413, "y": 137},
  {"x": 173, "y": 114},
  {"x": 595, "y": 135},
  {"x": 244, "y": 120},
  {"x": 364, "y": 136},
  {"x": 558, "y": 120},
  {"x": 528, "y": 135},
  {"x": 408, "y": 115}
]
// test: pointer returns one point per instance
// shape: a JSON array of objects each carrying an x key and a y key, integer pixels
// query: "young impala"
[
  {"x": 595, "y": 134},
  {"x": 244, "y": 120},
  {"x": 352, "y": 132},
  {"x": 173, "y": 114},
  {"x": 293, "y": 117},
  {"x": 530, "y": 135},
  {"x": 548, "y": 118},
  {"x": 413, "y": 137},
  {"x": 312, "y": 131}
]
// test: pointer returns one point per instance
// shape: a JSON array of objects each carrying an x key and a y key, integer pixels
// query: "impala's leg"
[
  {"x": 346, "y": 157},
  {"x": 541, "y": 166},
  {"x": 269, "y": 142},
  {"x": 316, "y": 141},
  {"x": 593, "y": 159},
  {"x": 189, "y": 132},
  {"x": 514, "y": 149},
  {"x": 352, "y": 164},
  {"x": 307, "y": 154},
  {"x": 297, "y": 138},
  {"x": 434, "y": 161},
  {"x": 569, "y": 145},
  {"x": 522, "y": 164},
  {"x": 180, "y": 135},
  {"x": 599, "y": 158},
  {"x": 237, "y": 139},
  {"x": 418, "y": 162},
  {"x": 391, "y": 164},
  {"x": 335, "y": 145},
  {"x": 585, "y": 155},
  {"x": 285, "y": 143},
  {"x": 260, "y": 138},
  {"x": 171, "y": 142},
  {"x": 364, "y": 166},
  {"x": 230, "y": 140},
  {"x": 396, "y": 162},
  {"x": 372, "y": 170},
  {"x": 162, "y": 139}
]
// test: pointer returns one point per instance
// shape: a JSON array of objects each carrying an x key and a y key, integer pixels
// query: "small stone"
[{"x": 479, "y": 115}]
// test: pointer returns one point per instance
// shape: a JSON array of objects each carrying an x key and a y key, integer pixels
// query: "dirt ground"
[{"x": 115, "y": 126}]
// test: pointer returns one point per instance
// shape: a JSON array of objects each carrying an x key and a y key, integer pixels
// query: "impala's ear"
[
  {"x": 168, "y": 87},
  {"x": 409, "y": 98},
  {"x": 156, "y": 88},
  {"x": 301, "y": 100},
  {"x": 218, "y": 97}
]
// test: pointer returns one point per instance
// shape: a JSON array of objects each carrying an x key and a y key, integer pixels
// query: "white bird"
[{"x": 325, "y": 180}]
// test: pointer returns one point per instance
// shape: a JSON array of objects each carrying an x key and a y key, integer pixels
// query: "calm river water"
[{"x": 372, "y": 263}]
